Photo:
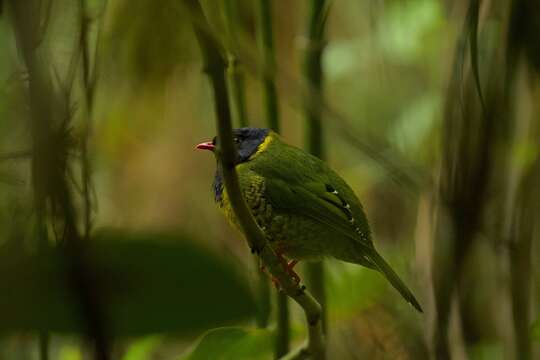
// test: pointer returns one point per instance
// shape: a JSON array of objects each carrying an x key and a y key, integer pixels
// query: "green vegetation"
[{"x": 111, "y": 246}]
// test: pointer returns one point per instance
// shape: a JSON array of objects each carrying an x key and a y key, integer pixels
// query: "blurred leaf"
[
  {"x": 149, "y": 283},
  {"x": 415, "y": 124},
  {"x": 69, "y": 352},
  {"x": 535, "y": 330},
  {"x": 144, "y": 49},
  {"x": 486, "y": 351},
  {"x": 142, "y": 349},
  {"x": 233, "y": 343},
  {"x": 351, "y": 287},
  {"x": 404, "y": 26}
]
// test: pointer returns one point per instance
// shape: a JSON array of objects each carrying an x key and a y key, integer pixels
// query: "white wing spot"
[{"x": 347, "y": 209}]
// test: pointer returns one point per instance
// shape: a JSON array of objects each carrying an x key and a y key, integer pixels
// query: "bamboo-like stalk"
[
  {"x": 271, "y": 110},
  {"x": 235, "y": 75},
  {"x": 214, "y": 66},
  {"x": 283, "y": 333},
  {"x": 235, "y": 72},
  {"x": 468, "y": 149},
  {"x": 44, "y": 342},
  {"x": 522, "y": 232},
  {"x": 523, "y": 200},
  {"x": 88, "y": 85},
  {"x": 263, "y": 304},
  {"x": 313, "y": 75},
  {"x": 266, "y": 45}
]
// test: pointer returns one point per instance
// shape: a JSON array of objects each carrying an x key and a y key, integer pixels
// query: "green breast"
[
  {"x": 295, "y": 236},
  {"x": 272, "y": 223}
]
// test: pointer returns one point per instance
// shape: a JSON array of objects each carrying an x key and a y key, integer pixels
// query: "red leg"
[
  {"x": 289, "y": 267},
  {"x": 290, "y": 270}
]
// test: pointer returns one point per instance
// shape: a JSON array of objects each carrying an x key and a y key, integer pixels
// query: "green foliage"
[
  {"x": 150, "y": 49},
  {"x": 486, "y": 351},
  {"x": 401, "y": 98},
  {"x": 233, "y": 343},
  {"x": 142, "y": 349},
  {"x": 351, "y": 287},
  {"x": 150, "y": 283}
]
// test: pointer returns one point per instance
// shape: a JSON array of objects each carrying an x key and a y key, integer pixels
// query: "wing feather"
[{"x": 301, "y": 183}]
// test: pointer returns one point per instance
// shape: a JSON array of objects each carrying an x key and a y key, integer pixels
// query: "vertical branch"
[
  {"x": 263, "y": 289},
  {"x": 314, "y": 135},
  {"x": 283, "y": 332},
  {"x": 214, "y": 66},
  {"x": 44, "y": 342},
  {"x": 266, "y": 45},
  {"x": 234, "y": 69},
  {"x": 523, "y": 199},
  {"x": 522, "y": 231},
  {"x": 468, "y": 152},
  {"x": 89, "y": 72},
  {"x": 89, "y": 97},
  {"x": 236, "y": 84},
  {"x": 49, "y": 111}
]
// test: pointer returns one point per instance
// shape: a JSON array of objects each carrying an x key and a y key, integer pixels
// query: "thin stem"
[
  {"x": 270, "y": 98},
  {"x": 44, "y": 341},
  {"x": 214, "y": 66},
  {"x": 235, "y": 71},
  {"x": 314, "y": 135},
  {"x": 235, "y": 75},
  {"x": 283, "y": 329},
  {"x": 263, "y": 291},
  {"x": 264, "y": 37},
  {"x": 315, "y": 279},
  {"x": 89, "y": 81},
  {"x": 49, "y": 170}
]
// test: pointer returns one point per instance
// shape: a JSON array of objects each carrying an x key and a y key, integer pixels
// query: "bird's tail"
[{"x": 393, "y": 278}]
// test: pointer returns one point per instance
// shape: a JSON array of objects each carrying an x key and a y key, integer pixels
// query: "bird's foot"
[
  {"x": 288, "y": 266},
  {"x": 290, "y": 270}
]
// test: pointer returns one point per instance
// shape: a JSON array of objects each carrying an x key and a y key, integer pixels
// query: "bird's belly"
[{"x": 295, "y": 236}]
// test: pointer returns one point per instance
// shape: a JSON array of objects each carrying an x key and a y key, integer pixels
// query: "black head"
[{"x": 247, "y": 141}]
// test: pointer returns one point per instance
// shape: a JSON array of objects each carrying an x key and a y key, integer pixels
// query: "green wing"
[
  {"x": 298, "y": 182},
  {"x": 314, "y": 201}
]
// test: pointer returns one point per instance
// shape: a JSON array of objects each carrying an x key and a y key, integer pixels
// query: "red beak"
[{"x": 206, "y": 146}]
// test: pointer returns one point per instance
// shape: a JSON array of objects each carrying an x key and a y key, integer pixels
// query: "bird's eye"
[{"x": 236, "y": 140}]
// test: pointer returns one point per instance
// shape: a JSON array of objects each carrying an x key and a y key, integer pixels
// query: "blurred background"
[{"x": 110, "y": 241}]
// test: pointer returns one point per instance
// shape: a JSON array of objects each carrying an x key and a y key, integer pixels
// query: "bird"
[{"x": 305, "y": 209}]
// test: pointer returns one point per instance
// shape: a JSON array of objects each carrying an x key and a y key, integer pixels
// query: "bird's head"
[{"x": 247, "y": 141}]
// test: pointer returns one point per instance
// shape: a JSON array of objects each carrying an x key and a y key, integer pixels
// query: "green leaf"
[
  {"x": 233, "y": 343},
  {"x": 69, "y": 352},
  {"x": 147, "y": 283},
  {"x": 142, "y": 349}
]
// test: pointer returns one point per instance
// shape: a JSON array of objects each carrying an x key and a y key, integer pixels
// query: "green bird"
[{"x": 305, "y": 209}]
